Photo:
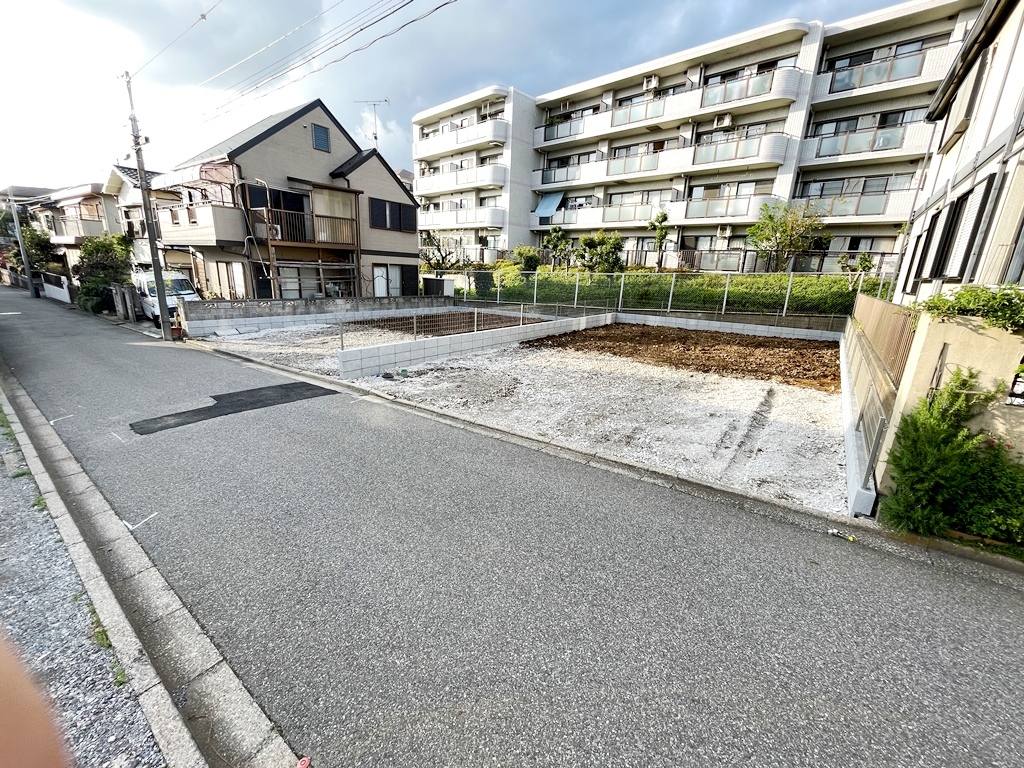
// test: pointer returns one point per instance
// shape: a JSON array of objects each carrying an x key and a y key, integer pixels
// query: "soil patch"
[{"x": 812, "y": 364}]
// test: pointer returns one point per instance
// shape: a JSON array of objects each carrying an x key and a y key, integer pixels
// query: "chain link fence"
[{"x": 779, "y": 294}]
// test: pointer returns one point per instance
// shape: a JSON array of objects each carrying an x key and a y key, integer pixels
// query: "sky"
[{"x": 65, "y": 120}]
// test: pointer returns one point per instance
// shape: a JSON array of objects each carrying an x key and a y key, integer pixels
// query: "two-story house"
[
  {"x": 291, "y": 207},
  {"x": 70, "y": 215},
  {"x": 123, "y": 185}
]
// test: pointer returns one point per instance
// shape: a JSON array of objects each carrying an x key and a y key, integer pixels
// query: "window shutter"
[
  {"x": 408, "y": 218},
  {"x": 967, "y": 230},
  {"x": 378, "y": 213},
  {"x": 321, "y": 138},
  {"x": 934, "y": 239},
  {"x": 962, "y": 108},
  {"x": 394, "y": 215}
]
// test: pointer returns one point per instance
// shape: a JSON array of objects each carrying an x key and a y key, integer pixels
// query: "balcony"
[
  {"x": 652, "y": 165},
  {"x": 478, "y": 177},
  {"x": 779, "y": 85},
  {"x": 725, "y": 207},
  {"x": 755, "y": 151},
  {"x": 461, "y": 139},
  {"x": 72, "y": 230},
  {"x": 464, "y": 218},
  {"x": 855, "y": 209},
  {"x": 910, "y": 73},
  {"x": 297, "y": 228},
  {"x": 208, "y": 224},
  {"x": 871, "y": 145},
  {"x": 591, "y": 217}
]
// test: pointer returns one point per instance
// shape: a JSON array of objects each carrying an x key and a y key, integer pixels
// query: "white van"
[{"x": 177, "y": 287}]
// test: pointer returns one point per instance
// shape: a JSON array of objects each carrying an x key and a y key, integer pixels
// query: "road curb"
[
  {"x": 172, "y": 736},
  {"x": 794, "y": 514},
  {"x": 189, "y": 663}
]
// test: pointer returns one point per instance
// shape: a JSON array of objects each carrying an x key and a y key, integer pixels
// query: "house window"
[
  {"x": 385, "y": 214},
  {"x": 321, "y": 138}
]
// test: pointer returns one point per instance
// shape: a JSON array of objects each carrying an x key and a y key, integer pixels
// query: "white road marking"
[
  {"x": 118, "y": 436},
  {"x": 131, "y": 527},
  {"x": 54, "y": 421}
]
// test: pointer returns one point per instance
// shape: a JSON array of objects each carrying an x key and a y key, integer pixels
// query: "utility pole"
[
  {"x": 147, "y": 212},
  {"x": 374, "y": 103},
  {"x": 21, "y": 246}
]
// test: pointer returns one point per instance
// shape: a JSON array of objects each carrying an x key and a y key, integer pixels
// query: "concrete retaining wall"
[
  {"x": 369, "y": 361},
  {"x": 206, "y": 318}
]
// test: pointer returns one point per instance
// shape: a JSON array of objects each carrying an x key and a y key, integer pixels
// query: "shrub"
[
  {"x": 105, "y": 260},
  {"x": 528, "y": 257},
  {"x": 948, "y": 477},
  {"x": 1001, "y": 307}
]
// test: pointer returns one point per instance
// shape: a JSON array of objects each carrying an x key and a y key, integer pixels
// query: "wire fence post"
[
  {"x": 497, "y": 278},
  {"x": 860, "y": 283},
  {"x": 671, "y": 292},
  {"x": 522, "y": 313},
  {"x": 536, "y": 279},
  {"x": 576, "y": 296},
  {"x": 465, "y": 289},
  {"x": 476, "y": 320},
  {"x": 414, "y": 327},
  {"x": 881, "y": 282},
  {"x": 622, "y": 290},
  {"x": 341, "y": 334},
  {"x": 789, "y": 292},
  {"x": 725, "y": 295}
]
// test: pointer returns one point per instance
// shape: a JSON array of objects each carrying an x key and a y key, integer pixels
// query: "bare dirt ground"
[
  {"x": 813, "y": 364},
  {"x": 758, "y": 414}
]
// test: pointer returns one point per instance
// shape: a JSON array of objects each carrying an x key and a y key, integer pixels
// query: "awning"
[{"x": 549, "y": 204}]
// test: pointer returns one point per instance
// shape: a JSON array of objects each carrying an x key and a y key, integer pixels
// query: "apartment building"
[
  {"x": 967, "y": 226},
  {"x": 290, "y": 208},
  {"x": 831, "y": 116},
  {"x": 474, "y": 157}
]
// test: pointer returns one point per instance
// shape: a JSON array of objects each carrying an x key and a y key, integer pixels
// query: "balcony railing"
[
  {"x": 492, "y": 174},
  {"x": 490, "y": 216},
  {"x": 716, "y": 207},
  {"x": 82, "y": 227},
  {"x": 868, "y": 204},
  {"x": 296, "y": 227},
  {"x": 560, "y": 175},
  {"x": 880, "y": 71},
  {"x": 564, "y": 129},
  {"x": 484, "y": 132},
  {"x": 633, "y": 164},
  {"x": 741, "y": 88},
  {"x": 632, "y": 212},
  {"x": 870, "y": 140},
  {"x": 634, "y": 113},
  {"x": 727, "y": 149}
]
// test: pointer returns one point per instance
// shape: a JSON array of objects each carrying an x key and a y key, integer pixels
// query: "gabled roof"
[
  {"x": 131, "y": 175},
  {"x": 359, "y": 158},
  {"x": 246, "y": 139}
]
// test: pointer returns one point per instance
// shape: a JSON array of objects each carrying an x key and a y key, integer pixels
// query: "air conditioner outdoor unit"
[
  {"x": 275, "y": 231},
  {"x": 724, "y": 120},
  {"x": 724, "y": 231},
  {"x": 651, "y": 82}
]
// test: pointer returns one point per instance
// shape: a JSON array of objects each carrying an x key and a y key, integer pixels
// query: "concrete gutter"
[{"x": 194, "y": 702}]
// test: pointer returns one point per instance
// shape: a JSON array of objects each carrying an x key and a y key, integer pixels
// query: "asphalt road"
[{"x": 398, "y": 592}]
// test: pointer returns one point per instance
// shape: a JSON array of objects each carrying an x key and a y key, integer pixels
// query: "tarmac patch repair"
[{"x": 234, "y": 402}]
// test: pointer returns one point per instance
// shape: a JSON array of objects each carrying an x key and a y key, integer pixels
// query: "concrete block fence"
[
  {"x": 746, "y": 329},
  {"x": 206, "y": 318}
]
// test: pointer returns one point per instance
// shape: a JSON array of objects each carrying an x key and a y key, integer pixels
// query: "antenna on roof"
[{"x": 374, "y": 103}]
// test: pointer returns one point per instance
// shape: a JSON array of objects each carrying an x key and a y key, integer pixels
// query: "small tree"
[
  {"x": 106, "y": 259},
  {"x": 854, "y": 267},
  {"x": 560, "y": 244},
  {"x": 601, "y": 252},
  {"x": 528, "y": 257},
  {"x": 658, "y": 226},
  {"x": 38, "y": 247},
  {"x": 442, "y": 251},
  {"x": 782, "y": 231}
]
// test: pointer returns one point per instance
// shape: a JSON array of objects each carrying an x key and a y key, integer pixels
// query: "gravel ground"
[
  {"x": 45, "y": 613},
  {"x": 777, "y": 440}
]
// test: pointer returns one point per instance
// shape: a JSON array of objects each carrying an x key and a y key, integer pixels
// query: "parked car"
[{"x": 177, "y": 287}]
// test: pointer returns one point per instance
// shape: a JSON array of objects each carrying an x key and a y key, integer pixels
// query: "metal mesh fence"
[
  {"x": 398, "y": 327},
  {"x": 706, "y": 292}
]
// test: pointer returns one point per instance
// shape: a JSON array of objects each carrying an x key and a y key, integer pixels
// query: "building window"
[
  {"x": 385, "y": 214},
  {"x": 321, "y": 138}
]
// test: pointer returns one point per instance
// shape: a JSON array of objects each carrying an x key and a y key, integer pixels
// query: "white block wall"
[
  {"x": 746, "y": 329},
  {"x": 369, "y": 361}
]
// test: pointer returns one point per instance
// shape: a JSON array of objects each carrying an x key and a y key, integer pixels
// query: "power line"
[
  {"x": 202, "y": 17},
  {"x": 390, "y": 11},
  {"x": 340, "y": 58},
  {"x": 268, "y": 46}
]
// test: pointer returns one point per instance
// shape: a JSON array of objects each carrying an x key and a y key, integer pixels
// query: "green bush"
[
  {"x": 1001, "y": 307},
  {"x": 947, "y": 477}
]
